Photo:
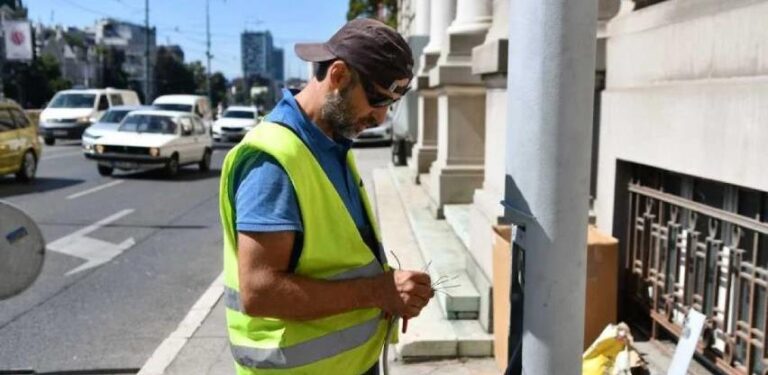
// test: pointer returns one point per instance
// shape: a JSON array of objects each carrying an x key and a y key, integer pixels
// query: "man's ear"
[{"x": 338, "y": 75}]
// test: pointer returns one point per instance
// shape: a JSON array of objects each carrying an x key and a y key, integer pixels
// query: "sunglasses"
[{"x": 378, "y": 99}]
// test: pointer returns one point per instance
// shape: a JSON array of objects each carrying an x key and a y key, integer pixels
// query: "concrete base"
[
  {"x": 425, "y": 151},
  {"x": 453, "y": 184}
]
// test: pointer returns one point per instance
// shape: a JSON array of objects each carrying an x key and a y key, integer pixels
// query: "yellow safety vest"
[{"x": 347, "y": 343}]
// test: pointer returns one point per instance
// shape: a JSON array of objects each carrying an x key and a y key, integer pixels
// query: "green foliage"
[
  {"x": 171, "y": 75},
  {"x": 370, "y": 9},
  {"x": 218, "y": 89},
  {"x": 112, "y": 73},
  {"x": 33, "y": 84}
]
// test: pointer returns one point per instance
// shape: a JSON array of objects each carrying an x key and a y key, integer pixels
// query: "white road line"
[
  {"x": 95, "y": 226},
  {"x": 95, "y": 252},
  {"x": 97, "y": 188},
  {"x": 172, "y": 345},
  {"x": 61, "y": 155}
]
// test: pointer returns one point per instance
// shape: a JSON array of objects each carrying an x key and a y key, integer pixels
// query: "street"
[{"x": 127, "y": 257}]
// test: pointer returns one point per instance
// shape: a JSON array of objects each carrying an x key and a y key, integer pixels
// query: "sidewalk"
[{"x": 206, "y": 350}]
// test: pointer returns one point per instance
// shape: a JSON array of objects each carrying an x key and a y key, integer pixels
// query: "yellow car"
[{"x": 19, "y": 146}]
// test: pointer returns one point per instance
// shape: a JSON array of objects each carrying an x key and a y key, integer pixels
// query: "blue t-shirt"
[{"x": 265, "y": 200}]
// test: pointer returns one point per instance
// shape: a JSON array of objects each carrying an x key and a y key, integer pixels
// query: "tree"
[
  {"x": 33, "y": 84},
  {"x": 198, "y": 73},
  {"x": 383, "y": 10},
  {"x": 112, "y": 74},
  {"x": 218, "y": 89},
  {"x": 171, "y": 75}
]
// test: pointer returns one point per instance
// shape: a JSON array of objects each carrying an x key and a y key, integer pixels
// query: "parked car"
[
  {"x": 20, "y": 148},
  {"x": 194, "y": 104},
  {"x": 379, "y": 134},
  {"x": 148, "y": 139},
  {"x": 108, "y": 123},
  {"x": 70, "y": 112},
  {"x": 234, "y": 123}
]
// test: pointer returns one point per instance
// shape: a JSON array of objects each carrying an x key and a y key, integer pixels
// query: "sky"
[{"x": 182, "y": 22}]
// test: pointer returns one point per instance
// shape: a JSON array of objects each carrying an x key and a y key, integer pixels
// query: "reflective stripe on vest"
[{"x": 306, "y": 352}]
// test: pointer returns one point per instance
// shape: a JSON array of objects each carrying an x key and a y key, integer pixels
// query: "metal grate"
[
  {"x": 126, "y": 150},
  {"x": 682, "y": 255}
]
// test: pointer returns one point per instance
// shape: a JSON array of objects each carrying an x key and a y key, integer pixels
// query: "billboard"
[{"x": 18, "y": 40}]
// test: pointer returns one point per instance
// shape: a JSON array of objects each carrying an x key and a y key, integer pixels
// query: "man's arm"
[{"x": 268, "y": 289}]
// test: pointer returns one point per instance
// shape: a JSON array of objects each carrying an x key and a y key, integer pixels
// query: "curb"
[{"x": 167, "y": 351}]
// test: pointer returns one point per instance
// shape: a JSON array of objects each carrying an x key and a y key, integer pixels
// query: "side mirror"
[{"x": 186, "y": 130}]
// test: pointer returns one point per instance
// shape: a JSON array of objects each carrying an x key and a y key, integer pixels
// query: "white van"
[
  {"x": 195, "y": 104},
  {"x": 70, "y": 112}
]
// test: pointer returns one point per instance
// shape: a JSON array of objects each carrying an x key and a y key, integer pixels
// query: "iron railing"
[{"x": 682, "y": 255}]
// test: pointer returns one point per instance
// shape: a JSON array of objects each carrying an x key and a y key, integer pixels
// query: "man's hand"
[{"x": 404, "y": 293}]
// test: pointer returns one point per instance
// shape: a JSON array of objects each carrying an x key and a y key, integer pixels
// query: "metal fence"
[{"x": 682, "y": 255}]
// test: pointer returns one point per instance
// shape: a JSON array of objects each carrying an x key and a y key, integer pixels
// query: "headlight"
[
  {"x": 99, "y": 149},
  {"x": 154, "y": 152},
  {"x": 88, "y": 134},
  {"x": 84, "y": 120}
]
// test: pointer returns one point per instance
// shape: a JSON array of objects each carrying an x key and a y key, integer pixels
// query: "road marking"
[
  {"x": 97, "y": 188},
  {"x": 94, "y": 251},
  {"x": 61, "y": 155},
  {"x": 164, "y": 354}
]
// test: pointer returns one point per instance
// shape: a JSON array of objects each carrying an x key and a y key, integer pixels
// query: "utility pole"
[
  {"x": 551, "y": 72},
  {"x": 146, "y": 52},
  {"x": 208, "y": 49}
]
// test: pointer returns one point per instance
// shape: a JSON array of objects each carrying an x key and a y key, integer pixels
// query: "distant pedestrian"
[{"x": 307, "y": 284}]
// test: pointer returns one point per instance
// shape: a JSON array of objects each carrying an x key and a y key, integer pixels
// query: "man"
[{"x": 307, "y": 286}]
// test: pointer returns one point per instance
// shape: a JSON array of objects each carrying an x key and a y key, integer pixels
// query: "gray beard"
[{"x": 336, "y": 113}]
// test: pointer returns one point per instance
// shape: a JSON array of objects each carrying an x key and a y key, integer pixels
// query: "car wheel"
[
  {"x": 172, "y": 168},
  {"x": 105, "y": 170},
  {"x": 28, "y": 167},
  {"x": 49, "y": 141},
  {"x": 205, "y": 163}
]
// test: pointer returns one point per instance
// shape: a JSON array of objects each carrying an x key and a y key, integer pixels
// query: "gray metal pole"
[
  {"x": 208, "y": 49},
  {"x": 550, "y": 81},
  {"x": 147, "y": 99}
]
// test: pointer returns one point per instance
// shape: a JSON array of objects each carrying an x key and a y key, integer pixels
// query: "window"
[
  {"x": 72, "y": 101},
  {"x": 199, "y": 127},
  {"x": 114, "y": 116},
  {"x": 116, "y": 99},
  {"x": 148, "y": 124},
  {"x": 186, "y": 124},
  {"x": 103, "y": 104},
  {"x": 174, "y": 107},
  {"x": 19, "y": 118},
  {"x": 6, "y": 121},
  {"x": 240, "y": 114}
]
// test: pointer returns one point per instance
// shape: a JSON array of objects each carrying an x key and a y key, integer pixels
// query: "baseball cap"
[{"x": 373, "y": 49}]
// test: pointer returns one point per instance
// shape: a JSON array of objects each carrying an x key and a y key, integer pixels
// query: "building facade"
[
  {"x": 257, "y": 54},
  {"x": 678, "y": 156},
  {"x": 129, "y": 39}
]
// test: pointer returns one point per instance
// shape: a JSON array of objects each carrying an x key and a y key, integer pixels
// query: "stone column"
[
  {"x": 425, "y": 151},
  {"x": 489, "y": 61},
  {"x": 458, "y": 170},
  {"x": 415, "y": 28}
]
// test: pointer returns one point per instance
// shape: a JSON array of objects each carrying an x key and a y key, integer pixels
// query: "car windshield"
[
  {"x": 73, "y": 101},
  {"x": 174, "y": 107},
  {"x": 114, "y": 116},
  {"x": 148, "y": 124},
  {"x": 239, "y": 114}
]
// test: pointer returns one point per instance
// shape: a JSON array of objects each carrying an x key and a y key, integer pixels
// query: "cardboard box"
[
  {"x": 602, "y": 283},
  {"x": 502, "y": 270},
  {"x": 601, "y": 287}
]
